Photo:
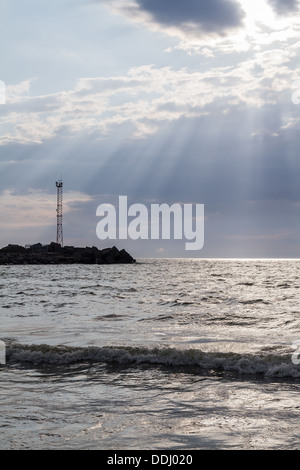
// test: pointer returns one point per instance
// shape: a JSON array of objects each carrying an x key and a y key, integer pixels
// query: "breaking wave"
[{"x": 269, "y": 365}]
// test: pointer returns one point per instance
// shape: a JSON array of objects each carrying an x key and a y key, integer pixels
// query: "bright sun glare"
[
  {"x": 261, "y": 25},
  {"x": 260, "y": 14},
  {"x": 257, "y": 11}
]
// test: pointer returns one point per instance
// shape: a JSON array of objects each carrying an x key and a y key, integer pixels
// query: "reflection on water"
[{"x": 164, "y": 354}]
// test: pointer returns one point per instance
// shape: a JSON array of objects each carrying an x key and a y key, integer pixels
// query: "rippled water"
[{"x": 163, "y": 354}]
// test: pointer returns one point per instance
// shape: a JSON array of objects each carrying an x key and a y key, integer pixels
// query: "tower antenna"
[{"x": 59, "y": 213}]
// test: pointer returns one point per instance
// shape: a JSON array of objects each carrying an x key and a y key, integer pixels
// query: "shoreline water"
[{"x": 171, "y": 354}]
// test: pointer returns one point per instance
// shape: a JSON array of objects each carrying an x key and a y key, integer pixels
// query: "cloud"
[
  {"x": 15, "y": 92},
  {"x": 283, "y": 7},
  {"x": 208, "y": 15},
  {"x": 140, "y": 101},
  {"x": 213, "y": 27},
  {"x": 186, "y": 19}
]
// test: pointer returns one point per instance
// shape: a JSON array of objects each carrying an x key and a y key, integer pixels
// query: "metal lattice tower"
[{"x": 59, "y": 213}]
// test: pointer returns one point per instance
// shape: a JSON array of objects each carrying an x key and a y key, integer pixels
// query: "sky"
[{"x": 189, "y": 102}]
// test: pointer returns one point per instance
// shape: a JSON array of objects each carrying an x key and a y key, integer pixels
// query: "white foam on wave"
[{"x": 265, "y": 365}]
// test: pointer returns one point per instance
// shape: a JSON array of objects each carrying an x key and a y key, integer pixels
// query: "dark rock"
[
  {"x": 36, "y": 248},
  {"x": 54, "y": 247},
  {"x": 125, "y": 257},
  {"x": 13, "y": 249},
  {"x": 55, "y": 254}
]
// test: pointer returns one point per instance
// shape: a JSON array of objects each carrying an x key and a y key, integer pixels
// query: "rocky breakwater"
[{"x": 56, "y": 254}]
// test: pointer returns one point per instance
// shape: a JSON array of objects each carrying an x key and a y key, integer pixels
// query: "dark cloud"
[
  {"x": 209, "y": 15},
  {"x": 283, "y": 7}
]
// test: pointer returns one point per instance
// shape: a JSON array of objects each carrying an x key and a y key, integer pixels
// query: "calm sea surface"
[{"x": 163, "y": 354}]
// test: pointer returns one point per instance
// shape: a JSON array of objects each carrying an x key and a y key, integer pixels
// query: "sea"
[{"x": 161, "y": 355}]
